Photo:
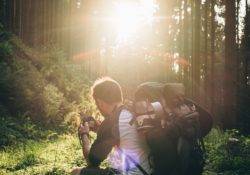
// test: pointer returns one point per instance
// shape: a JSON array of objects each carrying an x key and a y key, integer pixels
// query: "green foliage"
[
  {"x": 51, "y": 157},
  {"x": 56, "y": 171},
  {"x": 58, "y": 154},
  {"x": 25, "y": 90},
  {"x": 53, "y": 98},
  {"x": 5, "y": 46},
  {"x": 43, "y": 85},
  {"x": 5, "y": 49},
  {"x": 27, "y": 160},
  {"x": 40, "y": 86},
  {"x": 228, "y": 152},
  {"x": 14, "y": 131}
]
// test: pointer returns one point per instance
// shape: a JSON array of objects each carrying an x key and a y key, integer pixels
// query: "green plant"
[
  {"x": 53, "y": 100},
  {"x": 5, "y": 49},
  {"x": 47, "y": 90},
  {"x": 28, "y": 160},
  {"x": 56, "y": 171},
  {"x": 227, "y": 152},
  {"x": 5, "y": 46}
]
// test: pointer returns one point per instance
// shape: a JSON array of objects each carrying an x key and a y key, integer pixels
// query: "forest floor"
[
  {"x": 58, "y": 154},
  {"x": 54, "y": 156}
]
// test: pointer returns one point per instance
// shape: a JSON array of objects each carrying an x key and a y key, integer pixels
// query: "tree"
[
  {"x": 205, "y": 66},
  {"x": 185, "y": 41},
  {"x": 196, "y": 52},
  {"x": 230, "y": 65},
  {"x": 212, "y": 53},
  {"x": 244, "y": 89}
]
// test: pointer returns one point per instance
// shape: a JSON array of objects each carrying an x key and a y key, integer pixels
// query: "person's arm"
[
  {"x": 102, "y": 146},
  {"x": 84, "y": 131}
]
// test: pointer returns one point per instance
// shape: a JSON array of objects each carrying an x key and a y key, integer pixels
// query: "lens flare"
[
  {"x": 127, "y": 20},
  {"x": 130, "y": 17}
]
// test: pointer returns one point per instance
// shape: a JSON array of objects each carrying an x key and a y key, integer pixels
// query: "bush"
[
  {"x": 5, "y": 46},
  {"x": 44, "y": 92},
  {"x": 26, "y": 89},
  {"x": 40, "y": 85},
  {"x": 19, "y": 130},
  {"x": 228, "y": 152},
  {"x": 53, "y": 100}
]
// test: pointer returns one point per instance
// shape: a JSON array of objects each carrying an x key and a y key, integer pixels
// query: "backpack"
[{"x": 173, "y": 126}]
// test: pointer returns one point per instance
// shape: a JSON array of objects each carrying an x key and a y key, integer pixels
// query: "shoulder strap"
[
  {"x": 116, "y": 113},
  {"x": 133, "y": 161}
]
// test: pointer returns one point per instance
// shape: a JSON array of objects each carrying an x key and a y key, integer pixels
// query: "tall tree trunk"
[
  {"x": 213, "y": 58},
  {"x": 192, "y": 49},
  {"x": 238, "y": 58},
  {"x": 27, "y": 21},
  {"x": 230, "y": 65},
  {"x": 243, "y": 92},
  {"x": 181, "y": 38},
  {"x": 7, "y": 13},
  {"x": 196, "y": 64},
  {"x": 15, "y": 16},
  {"x": 206, "y": 78},
  {"x": 247, "y": 45},
  {"x": 185, "y": 41},
  {"x": 2, "y": 12}
]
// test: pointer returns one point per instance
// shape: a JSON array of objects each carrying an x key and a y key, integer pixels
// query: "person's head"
[{"x": 107, "y": 94}]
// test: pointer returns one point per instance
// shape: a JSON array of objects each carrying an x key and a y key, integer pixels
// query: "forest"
[{"x": 51, "y": 52}]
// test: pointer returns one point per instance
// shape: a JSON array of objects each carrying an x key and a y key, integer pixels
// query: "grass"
[
  {"x": 57, "y": 155},
  {"x": 42, "y": 157}
]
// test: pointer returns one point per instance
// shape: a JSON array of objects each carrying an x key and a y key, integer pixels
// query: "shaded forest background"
[
  {"x": 207, "y": 40},
  {"x": 52, "y": 50}
]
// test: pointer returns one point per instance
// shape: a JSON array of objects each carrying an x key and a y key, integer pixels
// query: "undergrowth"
[
  {"x": 42, "y": 157},
  {"x": 227, "y": 154}
]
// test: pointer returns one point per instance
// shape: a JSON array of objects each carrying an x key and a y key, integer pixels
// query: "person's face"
[{"x": 102, "y": 106}]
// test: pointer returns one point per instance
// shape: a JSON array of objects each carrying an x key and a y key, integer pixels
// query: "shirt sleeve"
[{"x": 107, "y": 137}]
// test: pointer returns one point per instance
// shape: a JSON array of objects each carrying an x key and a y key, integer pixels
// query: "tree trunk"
[
  {"x": 197, "y": 30},
  {"x": 206, "y": 78},
  {"x": 185, "y": 41},
  {"x": 213, "y": 58},
  {"x": 230, "y": 65}
]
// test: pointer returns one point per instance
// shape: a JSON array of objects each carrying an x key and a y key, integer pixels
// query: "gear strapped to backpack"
[{"x": 174, "y": 127}]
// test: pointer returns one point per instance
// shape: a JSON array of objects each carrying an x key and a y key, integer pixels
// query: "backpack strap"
[
  {"x": 133, "y": 161},
  {"x": 116, "y": 112}
]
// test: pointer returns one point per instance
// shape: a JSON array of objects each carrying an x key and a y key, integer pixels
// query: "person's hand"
[
  {"x": 94, "y": 125},
  {"x": 84, "y": 129},
  {"x": 76, "y": 171}
]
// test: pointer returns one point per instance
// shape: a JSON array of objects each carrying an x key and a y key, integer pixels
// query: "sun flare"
[{"x": 130, "y": 17}]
